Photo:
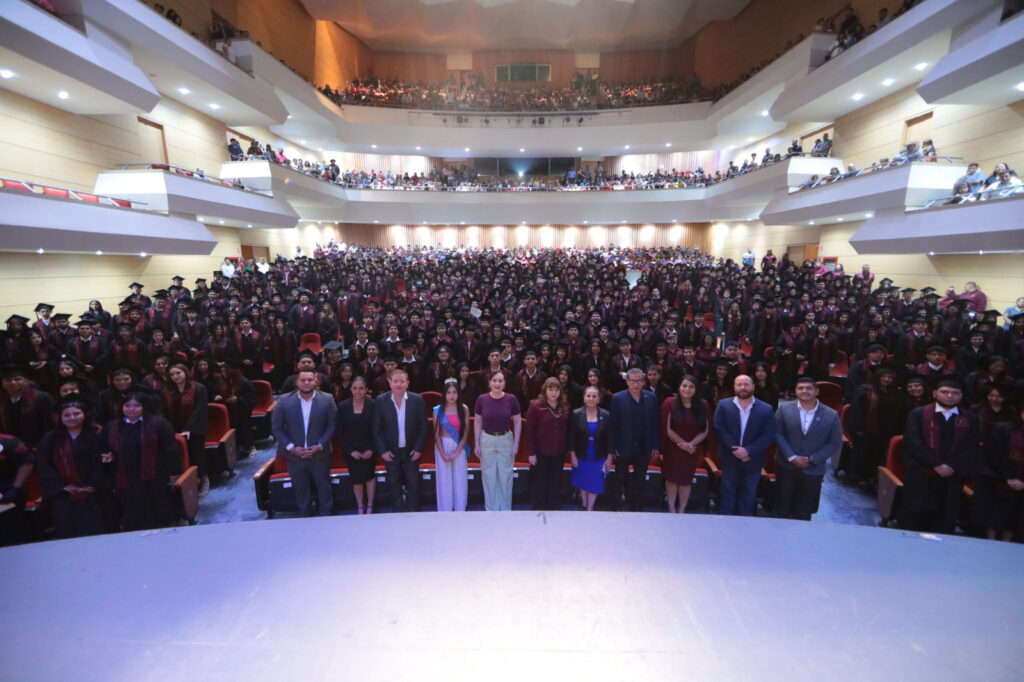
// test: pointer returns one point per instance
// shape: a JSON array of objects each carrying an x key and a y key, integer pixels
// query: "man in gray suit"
[
  {"x": 400, "y": 431},
  {"x": 809, "y": 434},
  {"x": 303, "y": 425}
]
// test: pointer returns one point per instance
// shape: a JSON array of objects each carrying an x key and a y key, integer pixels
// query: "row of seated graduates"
[{"x": 543, "y": 297}]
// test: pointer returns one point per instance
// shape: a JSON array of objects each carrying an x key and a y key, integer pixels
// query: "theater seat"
[
  {"x": 890, "y": 482},
  {"x": 221, "y": 442},
  {"x": 274, "y": 467},
  {"x": 831, "y": 394},
  {"x": 185, "y": 489},
  {"x": 842, "y": 368},
  {"x": 84, "y": 196},
  {"x": 262, "y": 411},
  {"x": 709, "y": 321},
  {"x": 310, "y": 341},
  {"x": 55, "y": 192},
  {"x": 521, "y": 471},
  {"x": 475, "y": 494},
  {"x": 17, "y": 184},
  {"x": 432, "y": 399},
  {"x": 841, "y": 460},
  {"x": 766, "y": 487},
  {"x": 428, "y": 469}
]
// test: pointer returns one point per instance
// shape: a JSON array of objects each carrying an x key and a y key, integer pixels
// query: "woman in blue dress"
[{"x": 588, "y": 447}]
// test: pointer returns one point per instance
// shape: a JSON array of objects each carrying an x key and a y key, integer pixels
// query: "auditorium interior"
[{"x": 709, "y": 188}]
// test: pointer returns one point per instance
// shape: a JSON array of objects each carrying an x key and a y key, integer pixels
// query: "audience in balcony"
[
  {"x": 1007, "y": 185},
  {"x": 911, "y": 153},
  {"x": 974, "y": 177},
  {"x": 235, "y": 150},
  {"x": 822, "y": 146}
]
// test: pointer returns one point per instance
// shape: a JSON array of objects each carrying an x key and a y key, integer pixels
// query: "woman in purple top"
[{"x": 498, "y": 425}]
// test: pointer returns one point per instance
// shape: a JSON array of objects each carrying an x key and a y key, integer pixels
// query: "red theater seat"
[
  {"x": 55, "y": 192},
  {"x": 890, "y": 481},
  {"x": 842, "y": 368},
  {"x": 221, "y": 443},
  {"x": 831, "y": 394},
  {"x": 262, "y": 411},
  {"x": 185, "y": 489},
  {"x": 310, "y": 341},
  {"x": 432, "y": 399},
  {"x": 17, "y": 184},
  {"x": 86, "y": 197}
]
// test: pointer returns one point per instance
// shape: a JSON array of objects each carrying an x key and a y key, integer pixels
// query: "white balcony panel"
[
  {"x": 760, "y": 186},
  {"x": 903, "y": 51},
  {"x": 985, "y": 226},
  {"x": 910, "y": 185},
  {"x": 165, "y": 191},
  {"x": 174, "y": 59},
  {"x": 48, "y": 55},
  {"x": 29, "y": 222},
  {"x": 985, "y": 70}
]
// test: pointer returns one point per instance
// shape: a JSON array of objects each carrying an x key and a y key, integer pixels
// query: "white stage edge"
[{"x": 520, "y": 596}]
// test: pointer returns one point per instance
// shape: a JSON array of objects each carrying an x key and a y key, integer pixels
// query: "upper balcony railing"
[{"x": 70, "y": 194}]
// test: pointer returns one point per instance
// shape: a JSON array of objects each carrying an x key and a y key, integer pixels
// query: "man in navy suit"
[
  {"x": 746, "y": 429},
  {"x": 400, "y": 431},
  {"x": 633, "y": 424},
  {"x": 809, "y": 434},
  {"x": 303, "y": 425}
]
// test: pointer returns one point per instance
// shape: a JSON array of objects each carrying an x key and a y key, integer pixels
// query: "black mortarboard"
[
  {"x": 991, "y": 313},
  {"x": 937, "y": 347},
  {"x": 17, "y": 318},
  {"x": 200, "y": 280},
  {"x": 163, "y": 293},
  {"x": 11, "y": 371},
  {"x": 62, "y": 316},
  {"x": 134, "y": 284},
  {"x": 332, "y": 345},
  {"x": 85, "y": 320},
  {"x": 927, "y": 290},
  {"x": 886, "y": 280},
  {"x": 307, "y": 353},
  {"x": 930, "y": 297},
  {"x": 951, "y": 381},
  {"x": 177, "y": 278},
  {"x": 41, "y": 306},
  {"x": 908, "y": 290},
  {"x": 874, "y": 347}
]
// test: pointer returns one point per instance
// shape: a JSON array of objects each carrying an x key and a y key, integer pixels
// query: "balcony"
[
  {"x": 894, "y": 57},
  {"x": 979, "y": 227},
  {"x": 757, "y": 187},
  {"x": 47, "y": 56},
  {"x": 183, "y": 192},
  {"x": 183, "y": 67},
  {"x": 54, "y": 219},
  {"x": 898, "y": 187}
]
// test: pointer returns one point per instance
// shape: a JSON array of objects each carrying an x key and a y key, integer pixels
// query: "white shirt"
[
  {"x": 946, "y": 412},
  {"x": 228, "y": 270},
  {"x": 806, "y": 416},
  {"x": 744, "y": 415},
  {"x": 400, "y": 409},
  {"x": 307, "y": 408}
]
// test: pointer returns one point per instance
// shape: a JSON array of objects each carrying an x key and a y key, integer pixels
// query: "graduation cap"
[
  {"x": 1015, "y": 316},
  {"x": 875, "y": 347},
  {"x": 42, "y": 306},
  {"x": 991, "y": 313},
  {"x": 908, "y": 290},
  {"x": 17, "y": 318},
  {"x": 332, "y": 345},
  {"x": 932, "y": 297},
  {"x": 12, "y": 371},
  {"x": 927, "y": 290},
  {"x": 916, "y": 379},
  {"x": 86, "y": 321},
  {"x": 200, "y": 280},
  {"x": 950, "y": 381},
  {"x": 134, "y": 284},
  {"x": 937, "y": 348},
  {"x": 62, "y": 316},
  {"x": 307, "y": 353},
  {"x": 177, "y": 278},
  {"x": 886, "y": 280},
  {"x": 162, "y": 294}
]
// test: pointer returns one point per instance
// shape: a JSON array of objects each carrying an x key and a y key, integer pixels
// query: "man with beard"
[{"x": 746, "y": 429}]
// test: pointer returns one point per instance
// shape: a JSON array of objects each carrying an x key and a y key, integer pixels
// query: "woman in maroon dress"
[{"x": 685, "y": 419}]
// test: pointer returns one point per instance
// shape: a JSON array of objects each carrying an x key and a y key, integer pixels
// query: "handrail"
[
  {"x": 978, "y": 195},
  {"x": 197, "y": 174},
  {"x": 65, "y": 193},
  {"x": 889, "y": 165}
]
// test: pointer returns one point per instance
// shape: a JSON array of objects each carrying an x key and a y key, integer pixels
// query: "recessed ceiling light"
[
  {"x": 675, "y": 221},
  {"x": 869, "y": 215},
  {"x": 462, "y": 222},
  {"x": 623, "y": 222},
  {"x": 418, "y": 147},
  {"x": 221, "y": 222},
  {"x": 467, "y": 149},
  {"x": 981, "y": 253},
  {"x": 579, "y": 149},
  {"x": 375, "y": 222},
  {"x": 40, "y": 251},
  {"x": 248, "y": 225},
  {"x": 302, "y": 142},
  {"x": 184, "y": 91},
  {"x": 142, "y": 254},
  {"x": 921, "y": 67},
  {"x": 63, "y": 94},
  {"x": 99, "y": 253},
  {"x": 857, "y": 96},
  {"x": 750, "y": 139},
  {"x": 214, "y": 106},
  {"x": 6, "y": 73},
  {"x": 586, "y": 222},
  {"x": 839, "y": 219},
  {"x": 373, "y": 146},
  {"x": 931, "y": 253},
  {"x": 888, "y": 81},
  {"x": 810, "y": 222},
  {"x": 764, "y": 112},
  {"x": 289, "y": 115},
  {"x": 668, "y": 144},
  {"x": 521, "y": 149},
  {"x": 627, "y": 146},
  {"x": 732, "y": 146},
  {"x": 1019, "y": 86}
]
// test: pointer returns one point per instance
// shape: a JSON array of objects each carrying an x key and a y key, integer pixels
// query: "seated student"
[
  {"x": 999, "y": 169},
  {"x": 910, "y": 154},
  {"x": 962, "y": 194},
  {"x": 1007, "y": 185},
  {"x": 974, "y": 177},
  {"x": 235, "y": 150}
]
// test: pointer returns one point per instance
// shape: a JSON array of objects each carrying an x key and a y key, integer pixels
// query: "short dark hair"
[{"x": 804, "y": 379}]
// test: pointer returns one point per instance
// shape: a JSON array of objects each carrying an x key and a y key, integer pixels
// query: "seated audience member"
[
  {"x": 235, "y": 150},
  {"x": 962, "y": 194},
  {"x": 911, "y": 153},
  {"x": 1007, "y": 185},
  {"x": 999, "y": 169},
  {"x": 974, "y": 177}
]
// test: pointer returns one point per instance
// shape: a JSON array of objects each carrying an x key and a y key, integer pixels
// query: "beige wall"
[{"x": 541, "y": 236}]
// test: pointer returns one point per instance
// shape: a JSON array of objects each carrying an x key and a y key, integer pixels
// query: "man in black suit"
[
  {"x": 400, "y": 431},
  {"x": 303, "y": 426}
]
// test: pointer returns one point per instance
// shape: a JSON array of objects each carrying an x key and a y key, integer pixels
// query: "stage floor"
[{"x": 514, "y": 596}]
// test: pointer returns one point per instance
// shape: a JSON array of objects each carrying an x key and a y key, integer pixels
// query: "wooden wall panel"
[
  {"x": 340, "y": 56},
  {"x": 563, "y": 64},
  {"x": 412, "y": 66},
  {"x": 637, "y": 65},
  {"x": 282, "y": 27}
]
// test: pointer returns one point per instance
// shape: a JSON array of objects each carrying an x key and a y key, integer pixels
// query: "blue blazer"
[
  {"x": 758, "y": 436},
  {"x": 624, "y": 430},
  {"x": 287, "y": 426}
]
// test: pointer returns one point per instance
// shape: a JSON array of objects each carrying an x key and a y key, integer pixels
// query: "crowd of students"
[{"x": 469, "y": 324}]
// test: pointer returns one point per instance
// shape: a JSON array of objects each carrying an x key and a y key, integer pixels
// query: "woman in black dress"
[
  {"x": 141, "y": 448},
  {"x": 355, "y": 426},
  {"x": 71, "y": 472}
]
